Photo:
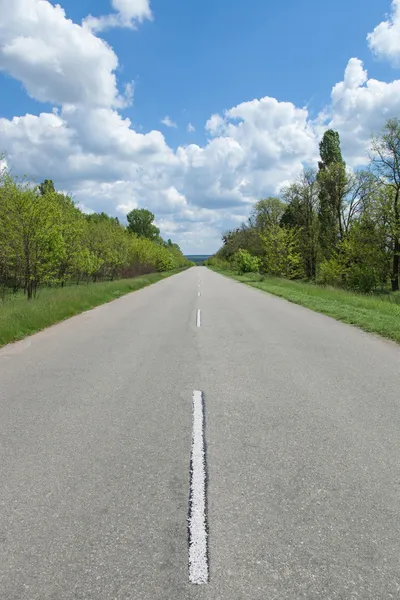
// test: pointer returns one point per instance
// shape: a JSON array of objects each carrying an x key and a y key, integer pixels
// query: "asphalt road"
[{"x": 303, "y": 451}]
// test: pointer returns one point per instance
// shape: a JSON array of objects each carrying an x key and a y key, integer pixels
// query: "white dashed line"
[
  {"x": 198, "y": 318},
  {"x": 197, "y": 521},
  {"x": 199, "y": 294}
]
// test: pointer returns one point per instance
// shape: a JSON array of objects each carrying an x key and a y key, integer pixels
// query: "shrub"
[
  {"x": 244, "y": 262},
  {"x": 331, "y": 272}
]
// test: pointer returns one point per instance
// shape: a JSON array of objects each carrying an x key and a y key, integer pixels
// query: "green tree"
[
  {"x": 73, "y": 227},
  {"x": 267, "y": 212},
  {"x": 31, "y": 234},
  {"x": 282, "y": 252},
  {"x": 47, "y": 187},
  {"x": 301, "y": 209},
  {"x": 140, "y": 222},
  {"x": 386, "y": 168},
  {"x": 245, "y": 237},
  {"x": 332, "y": 182}
]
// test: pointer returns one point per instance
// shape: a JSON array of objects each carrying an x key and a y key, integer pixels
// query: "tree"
[
  {"x": 140, "y": 222},
  {"x": 360, "y": 190},
  {"x": 245, "y": 237},
  {"x": 332, "y": 182},
  {"x": 329, "y": 149},
  {"x": 386, "y": 168},
  {"x": 301, "y": 211},
  {"x": 47, "y": 187},
  {"x": 31, "y": 234},
  {"x": 45, "y": 239},
  {"x": 267, "y": 212},
  {"x": 72, "y": 223},
  {"x": 282, "y": 255}
]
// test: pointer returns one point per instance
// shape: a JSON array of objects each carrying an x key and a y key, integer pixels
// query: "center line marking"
[
  {"x": 198, "y": 318},
  {"x": 197, "y": 521}
]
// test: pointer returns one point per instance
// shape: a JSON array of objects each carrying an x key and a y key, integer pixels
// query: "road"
[{"x": 302, "y": 439}]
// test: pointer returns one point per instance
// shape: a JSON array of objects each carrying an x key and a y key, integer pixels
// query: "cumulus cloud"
[
  {"x": 128, "y": 13},
  {"x": 90, "y": 150},
  {"x": 191, "y": 128},
  {"x": 168, "y": 122},
  {"x": 384, "y": 40},
  {"x": 359, "y": 106},
  {"x": 56, "y": 60}
]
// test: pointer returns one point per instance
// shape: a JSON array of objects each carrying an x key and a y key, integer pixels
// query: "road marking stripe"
[
  {"x": 198, "y": 318},
  {"x": 198, "y": 293},
  {"x": 197, "y": 521}
]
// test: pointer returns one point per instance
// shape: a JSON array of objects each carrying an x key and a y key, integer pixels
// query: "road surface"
[{"x": 301, "y": 470}]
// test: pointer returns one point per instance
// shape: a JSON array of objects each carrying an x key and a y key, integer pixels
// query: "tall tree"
[
  {"x": 332, "y": 182},
  {"x": 301, "y": 200},
  {"x": 386, "y": 168},
  {"x": 140, "y": 222}
]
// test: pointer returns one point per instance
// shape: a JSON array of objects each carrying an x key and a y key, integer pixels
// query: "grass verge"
[
  {"x": 20, "y": 318},
  {"x": 378, "y": 314}
]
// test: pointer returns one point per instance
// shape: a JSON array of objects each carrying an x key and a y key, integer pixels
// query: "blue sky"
[{"x": 189, "y": 62}]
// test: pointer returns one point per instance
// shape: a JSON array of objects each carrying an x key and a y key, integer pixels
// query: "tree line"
[
  {"x": 46, "y": 240},
  {"x": 333, "y": 225}
]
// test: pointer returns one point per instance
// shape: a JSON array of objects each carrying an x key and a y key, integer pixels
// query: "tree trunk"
[
  {"x": 396, "y": 253},
  {"x": 30, "y": 290},
  {"x": 395, "y": 274}
]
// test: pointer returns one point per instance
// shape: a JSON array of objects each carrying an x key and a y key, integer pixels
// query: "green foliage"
[
  {"x": 301, "y": 200},
  {"x": 218, "y": 263},
  {"x": 245, "y": 237},
  {"x": 47, "y": 187},
  {"x": 282, "y": 252},
  {"x": 267, "y": 213},
  {"x": 333, "y": 182},
  {"x": 45, "y": 240},
  {"x": 331, "y": 272},
  {"x": 332, "y": 225},
  {"x": 329, "y": 149},
  {"x": 140, "y": 222},
  {"x": 386, "y": 168},
  {"x": 362, "y": 262},
  {"x": 244, "y": 262}
]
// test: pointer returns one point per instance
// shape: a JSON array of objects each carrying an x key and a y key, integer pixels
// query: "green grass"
[
  {"x": 20, "y": 318},
  {"x": 378, "y": 314}
]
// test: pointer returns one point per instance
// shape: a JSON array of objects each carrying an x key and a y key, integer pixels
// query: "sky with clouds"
[{"x": 193, "y": 110}]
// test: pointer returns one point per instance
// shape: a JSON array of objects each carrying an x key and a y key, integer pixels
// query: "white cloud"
[
  {"x": 128, "y": 13},
  {"x": 191, "y": 128},
  {"x": 359, "y": 106},
  {"x": 57, "y": 60},
  {"x": 168, "y": 122},
  {"x": 384, "y": 40},
  {"x": 196, "y": 192}
]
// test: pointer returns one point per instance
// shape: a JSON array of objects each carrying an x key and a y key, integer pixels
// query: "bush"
[
  {"x": 218, "y": 263},
  {"x": 331, "y": 272},
  {"x": 362, "y": 278},
  {"x": 244, "y": 262}
]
